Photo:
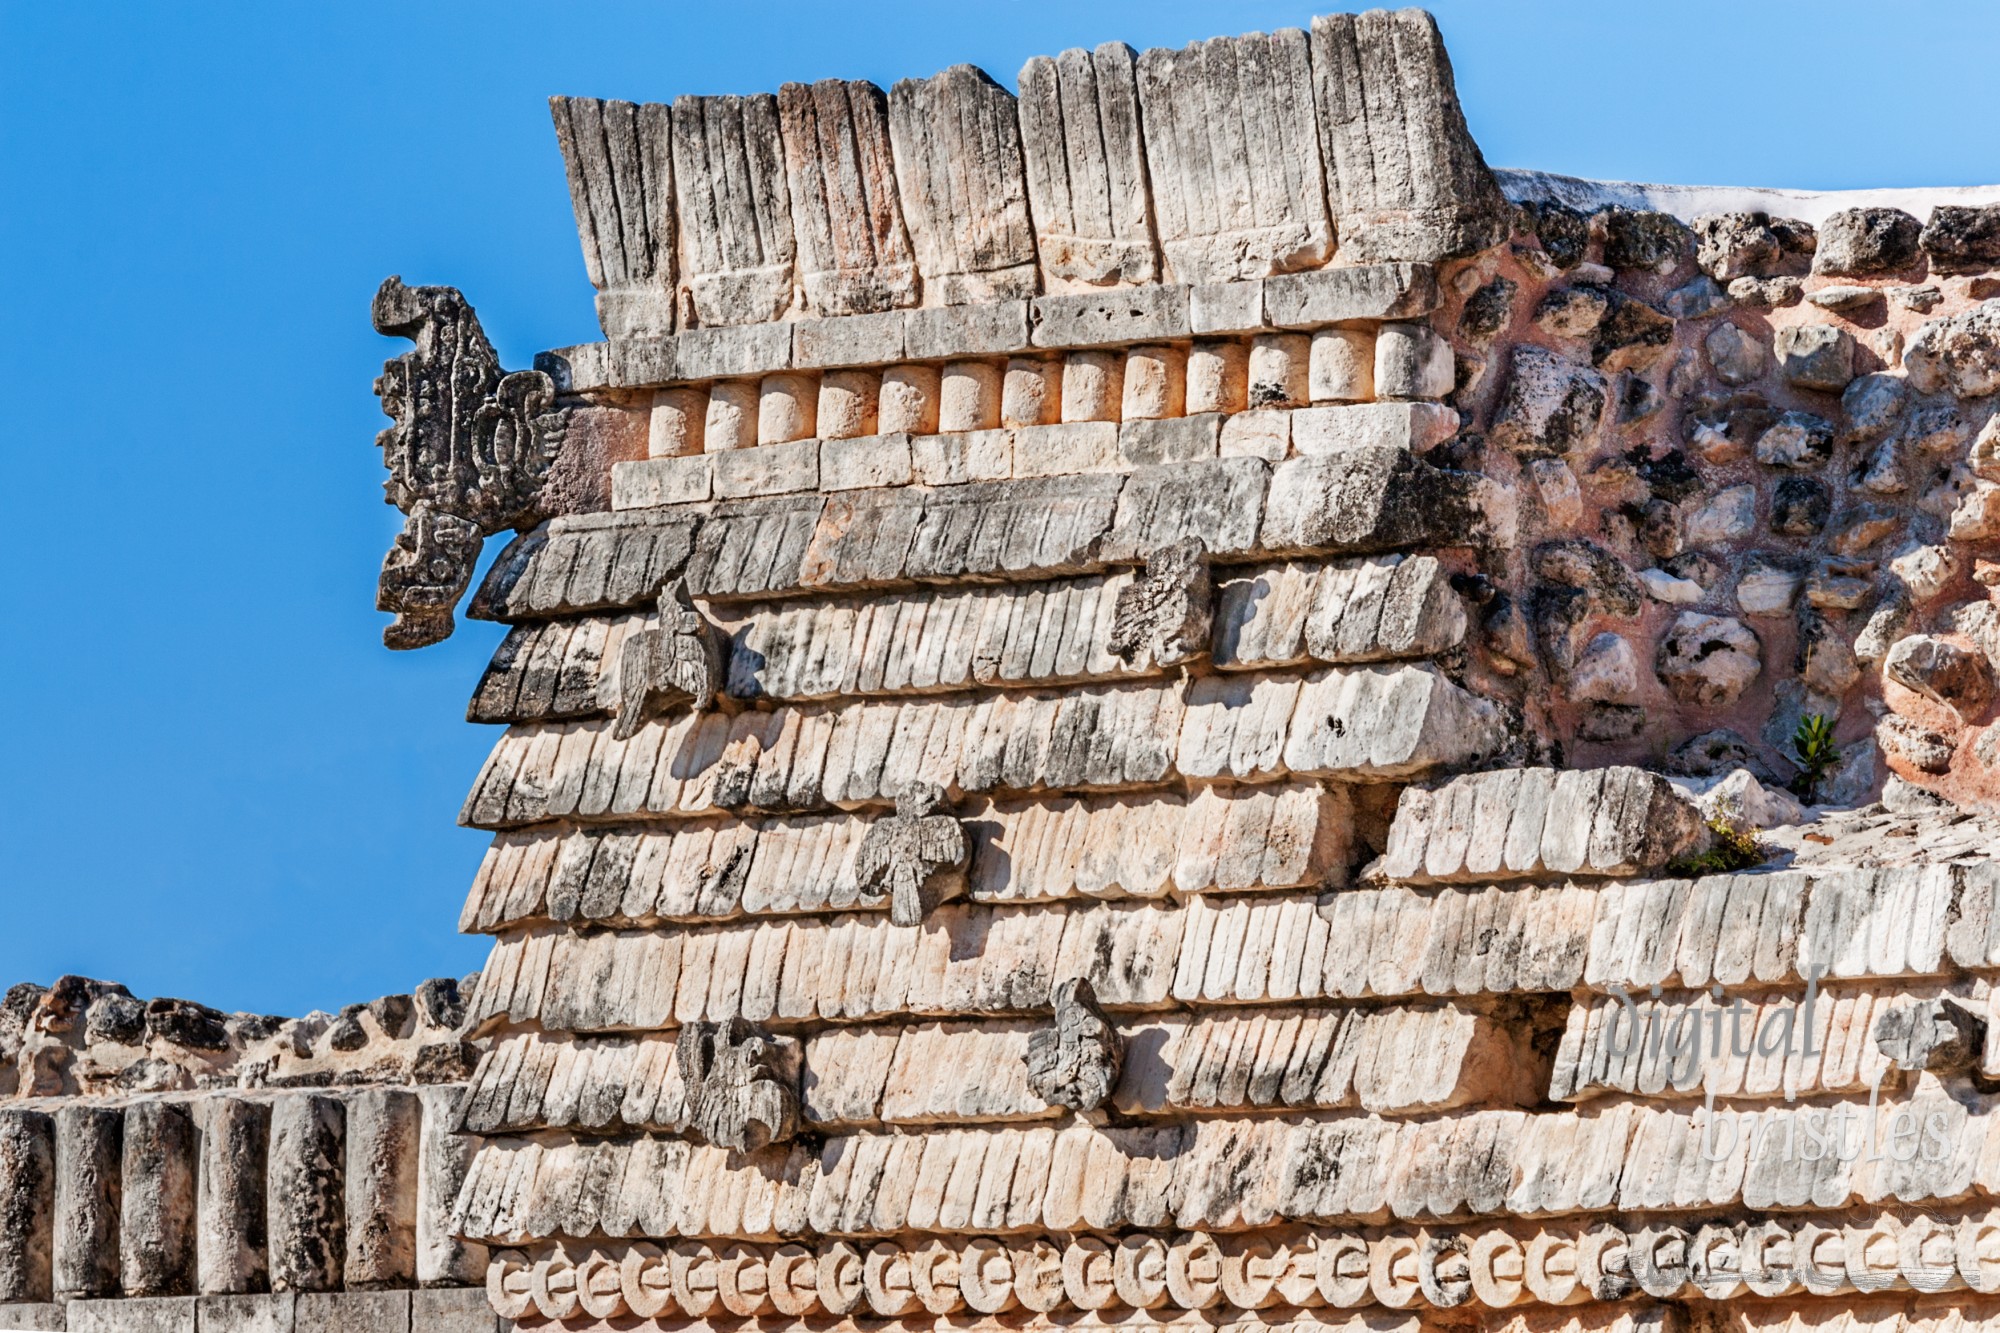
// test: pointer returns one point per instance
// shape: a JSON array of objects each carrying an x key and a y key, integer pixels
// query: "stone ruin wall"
[{"x": 1110, "y": 689}]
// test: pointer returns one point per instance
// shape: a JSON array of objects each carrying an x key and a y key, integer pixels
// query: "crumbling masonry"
[{"x": 1155, "y": 703}]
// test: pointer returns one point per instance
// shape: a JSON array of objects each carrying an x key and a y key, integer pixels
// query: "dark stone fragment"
[
  {"x": 1604, "y": 723},
  {"x": 69, "y": 999},
  {"x": 1643, "y": 239},
  {"x": 1670, "y": 477},
  {"x": 347, "y": 1034},
  {"x": 255, "y": 1027},
  {"x": 1800, "y": 506},
  {"x": 1564, "y": 233},
  {"x": 444, "y": 1062},
  {"x": 116, "y": 1018},
  {"x": 1694, "y": 566},
  {"x": 1488, "y": 309},
  {"x": 1959, "y": 239},
  {"x": 185, "y": 1023},
  {"x": 20, "y": 1002},
  {"x": 1867, "y": 240},
  {"x": 1637, "y": 399},
  {"x": 1632, "y": 336},
  {"x": 1939, "y": 1035},
  {"x": 440, "y": 1003},
  {"x": 1714, "y": 753},
  {"x": 393, "y": 1013}
]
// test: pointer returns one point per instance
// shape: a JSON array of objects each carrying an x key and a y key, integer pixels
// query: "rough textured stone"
[
  {"x": 307, "y": 1220},
  {"x": 958, "y": 168},
  {"x": 1708, "y": 661},
  {"x": 853, "y": 253},
  {"x": 157, "y": 1217},
  {"x": 1362, "y": 501},
  {"x": 621, "y": 189},
  {"x": 1859, "y": 241},
  {"x": 1075, "y": 1061},
  {"x": 1086, "y": 166},
  {"x": 1551, "y": 406},
  {"x": 733, "y": 206},
  {"x": 1958, "y": 238},
  {"x": 1815, "y": 356},
  {"x": 89, "y": 1150},
  {"x": 1959, "y": 354},
  {"x": 915, "y": 858},
  {"x": 1798, "y": 441},
  {"x": 1166, "y": 613},
  {"x": 27, "y": 1205},
  {"x": 742, "y": 1086},
  {"x": 231, "y": 1236},
  {"x": 1939, "y": 669}
]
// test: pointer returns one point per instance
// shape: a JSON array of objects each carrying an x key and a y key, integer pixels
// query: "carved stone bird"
[
  {"x": 673, "y": 665},
  {"x": 917, "y": 857},
  {"x": 1075, "y": 1061},
  {"x": 742, "y": 1085}
]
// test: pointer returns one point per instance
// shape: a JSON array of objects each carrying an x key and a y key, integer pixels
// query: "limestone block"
[
  {"x": 847, "y": 403},
  {"x": 731, "y": 420},
  {"x": 854, "y": 255},
  {"x": 734, "y": 207},
  {"x": 995, "y": 329},
  {"x": 1341, "y": 368},
  {"x": 619, "y": 162},
  {"x": 969, "y": 396},
  {"x": 1086, "y": 169},
  {"x": 263, "y": 1312},
  {"x": 1144, "y": 442},
  {"x": 453, "y": 1309},
  {"x": 959, "y": 173},
  {"x": 1232, "y": 156},
  {"x": 847, "y": 341},
  {"x": 1266, "y": 435},
  {"x": 1413, "y": 362},
  {"x": 1155, "y": 383},
  {"x": 787, "y": 408},
  {"x": 1339, "y": 295},
  {"x": 1550, "y": 406},
  {"x": 157, "y": 1216},
  {"x": 27, "y": 1223},
  {"x": 1957, "y": 353},
  {"x": 1031, "y": 392},
  {"x": 742, "y": 352},
  {"x": 307, "y": 1220},
  {"x": 1280, "y": 370},
  {"x": 384, "y": 1127},
  {"x": 771, "y": 469},
  {"x": 1815, "y": 356},
  {"x": 950, "y": 460},
  {"x": 89, "y": 1151},
  {"x": 873, "y": 460},
  {"x": 1092, "y": 386},
  {"x": 909, "y": 400},
  {"x": 1524, "y": 822},
  {"x": 1217, "y": 500},
  {"x": 229, "y": 1211},
  {"x": 1416, "y": 427},
  {"x": 1140, "y": 314},
  {"x": 158, "y": 1314},
  {"x": 649, "y": 483},
  {"x": 1405, "y": 177},
  {"x": 1376, "y": 723},
  {"x": 1364, "y": 500},
  {"x": 677, "y": 421},
  {"x": 1340, "y": 612},
  {"x": 1072, "y": 447},
  {"x": 1218, "y": 377},
  {"x": 1227, "y": 307},
  {"x": 352, "y": 1312}
]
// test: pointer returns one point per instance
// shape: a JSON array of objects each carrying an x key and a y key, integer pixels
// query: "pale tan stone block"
[
  {"x": 969, "y": 396},
  {"x": 974, "y": 455},
  {"x": 678, "y": 420},
  {"x": 1265, "y": 434},
  {"x": 1280, "y": 370},
  {"x": 1218, "y": 377},
  {"x": 1071, "y": 447},
  {"x": 731, "y": 421},
  {"x": 1342, "y": 366},
  {"x": 1092, "y": 386},
  {"x": 909, "y": 400},
  {"x": 1031, "y": 393},
  {"x": 1155, "y": 383},
  {"x": 865, "y": 461},
  {"x": 787, "y": 408},
  {"x": 847, "y": 400}
]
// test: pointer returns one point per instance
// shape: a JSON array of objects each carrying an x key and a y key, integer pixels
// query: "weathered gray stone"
[
  {"x": 230, "y": 1231},
  {"x": 673, "y": 665},
  {"x": 352, "y": 1312},
  {"x": 1939, "y": 669},
  {"x": 734, "y": 208},
  {"x": 1227, "y": 307},
  {"x": 958, "y": 168},
  {"x": 1337, "y": 295},
  {"x": 1939, "y": 1035},
  {"x": 1231, "y": 154},
  {"x": 1642, "y": 239},
  {"x": 89, "y": 1150},
  {"x": 156, "y": 1231},
  {"x": 307, "y": 1221},
  {"x": 443, "y": 1156},
  {"x": 1752, "y": 245},
  {"x": 1958, "y": 354},
  {"x": 1137, "y": 315},
  {"x": 1815, "y": 356},
  {"x": 261, "y": 1312},
  {"x": 37, "y": 1316},
  {"x": 742, "y": 1085},
  {"x": 1372, "y": 724},
  {"x": 1075, "y": 1060},
  {"x": 851, "y": 340},
  {"x": 994, "y": 329},
  {"x": 853, "y": 254},
  {"x": 453, "y": 1310},
  {"x": 1366, "y": 500},
  {"x": 1405, "y": 177},
  {"x": 158, "y": 1314},
  {"x": 1798, "y": 441},
  {"x": 380, "y": 1188},
  {"x": 916, "y": 858},
  {"x": 1859, "y": 241},
  {"x": 1960, "y": 239},
  {"x": 27, "y": 1205},
  {"x": 1550, "y": 406},
  {"x": 1708, "y": 661},
  {"x": 1086, "y": 167},
  {"x": 1737, "y": 355},
  {"x": 618, "y": 160},
  {"x": 1146, "y": 442},
  {"x": 1166, "y": 613}
]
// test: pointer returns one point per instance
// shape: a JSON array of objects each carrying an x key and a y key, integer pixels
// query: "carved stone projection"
[
  {"x": 621, "y": 187},
  {"x": 675, "y": 664},
  {"x": 466, "y": 456},
  {"x": 1079, "y": 117},
  {"x": 853, "y": 252},
  {"x": 742, "y": 1085},
  {"x": 1940, "y": 1035},
  {"x": 917, "y": 857},
  {"x": 957, "y": 147},
  {"x": 1075, "y": 1061},
  {"x": 734, "y": 210},
  {"x": 1169, "y": 609}
]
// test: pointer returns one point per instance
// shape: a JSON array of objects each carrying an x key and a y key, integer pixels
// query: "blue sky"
[{"x": 218, "y": 784}]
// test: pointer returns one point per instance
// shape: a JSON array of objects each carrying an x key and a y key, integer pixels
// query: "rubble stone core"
[{"x": 1151, "y": 702}]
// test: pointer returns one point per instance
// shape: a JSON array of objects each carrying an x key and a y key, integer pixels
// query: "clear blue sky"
[{"x": 217, "y": 783}]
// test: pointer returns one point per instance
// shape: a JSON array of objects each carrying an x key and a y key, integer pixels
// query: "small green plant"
[
  {"x": 1729, "y": 850},
  {"x": 1818, "y": 756}
]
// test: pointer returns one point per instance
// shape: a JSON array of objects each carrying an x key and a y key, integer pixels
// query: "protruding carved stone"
[
  {"x": 665, "y": 667},
  {"x": 917, "y": 857},
  {"x": 1075, "y": 1061},
  {"x": 1940, "y": 1035},
  {"x": 466, "y": 457},
  {"x": 1168, "y": 609},
  {"x": 742, "y": 1086}
]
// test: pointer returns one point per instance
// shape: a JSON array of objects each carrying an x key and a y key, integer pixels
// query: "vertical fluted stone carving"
[
  {"x": 1406, "y": 179},
  {"x": 89, "y": 1153},
  {"x": 307, "y": 1219},
  {"x": 1233, "y": 155},
  {"x": 620, "y": 170},
  {"x": 733, "y": 207},
  {"x": 27, "y": 1205},
  {"x": 1086, "y": 167},
  {"x": 383, "y": 1126},
  {"x": 443, "y": 1157},
  {"x": 157, "y": 1228},
  {"x": 958, "y": 170},
  {"x": 229, "y": 1203},
  {"x": 854, "y": 254}
]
